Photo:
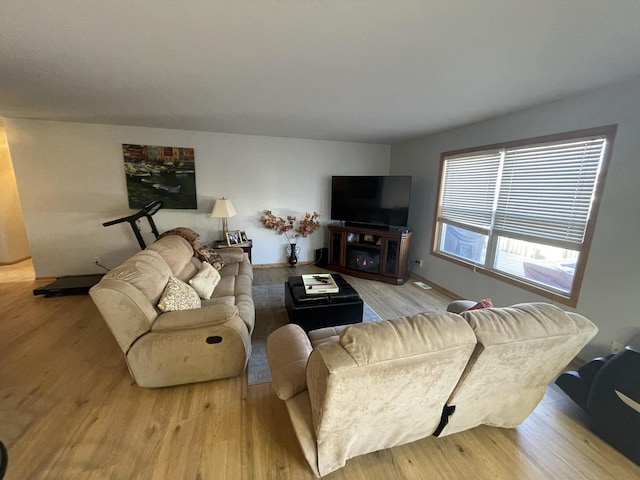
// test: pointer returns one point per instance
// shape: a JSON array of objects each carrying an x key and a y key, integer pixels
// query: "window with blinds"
[
  {"x": 524, "y": 211},
  {"x": 471, "y": 207}
]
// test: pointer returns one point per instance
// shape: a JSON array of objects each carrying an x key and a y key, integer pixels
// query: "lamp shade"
[{"x": 223, "y": 208}]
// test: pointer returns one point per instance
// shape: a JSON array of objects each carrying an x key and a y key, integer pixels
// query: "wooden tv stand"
[{"x": 373, "y": 253}]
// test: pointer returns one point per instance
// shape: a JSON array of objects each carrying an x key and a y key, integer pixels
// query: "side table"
[{"x": 246, "y": 246}]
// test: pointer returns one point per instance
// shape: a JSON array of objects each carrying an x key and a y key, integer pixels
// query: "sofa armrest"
[
  {"x": 288, "y": 349},
  {"x": 195, "y": 318},
  {"x": 231, "y": 255}
]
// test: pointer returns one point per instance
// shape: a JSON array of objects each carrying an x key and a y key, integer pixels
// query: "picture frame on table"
[
  {"x": 233, "y": 237},
  {"x": 243, "y": 237}
]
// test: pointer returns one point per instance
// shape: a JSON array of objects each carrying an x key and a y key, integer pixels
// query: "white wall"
[
  {"x": 71, "y": 179},
  {"x": 13, "y": 236},
  {"x": 610, "y": 288}
]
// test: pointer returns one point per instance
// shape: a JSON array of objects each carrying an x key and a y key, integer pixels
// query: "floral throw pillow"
[
  {"x": 205, "y": 281},
  {"x": 177, "y": 295},
  {"x": 184, "y": 232},
  {"x": 207, "y": 254}
]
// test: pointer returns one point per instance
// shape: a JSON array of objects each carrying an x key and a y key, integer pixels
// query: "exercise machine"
[
  {"x": 81, "y": 284},
  {"x": 148, "y": 211}
]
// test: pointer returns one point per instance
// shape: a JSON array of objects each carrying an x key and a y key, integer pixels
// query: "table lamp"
[{"x": 223, "y": 209}]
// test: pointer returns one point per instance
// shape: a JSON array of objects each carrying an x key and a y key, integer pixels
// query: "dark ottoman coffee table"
[{"x": 322, "y": 310}]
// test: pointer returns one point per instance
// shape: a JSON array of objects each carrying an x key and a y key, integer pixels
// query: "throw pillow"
[
  {"x": 484, "y": 303},
  {"x": 208, "y": 254},
  {"x": 205, "y": 281},
  {"x": 184, "y": 232},
  {"x": 216, "y": 260},
  {"x": 177, "y": 295}
]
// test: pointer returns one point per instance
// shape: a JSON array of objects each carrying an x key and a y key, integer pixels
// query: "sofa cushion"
[
  {"x": 147, "y": 271},
  {"x": 247, "y": 310},
  {"x": 373, "y": 342},
  {"x": 190, "y": 268},
  {"x": 205, "y": 281},
  {"x": 245, "y": 268},
  {"x": 177, "y": 295},
  {"x": 230, "y": 270},
  {"x": 231, "y": 255},
  {"x": 230, "y": 300},
  {"x": 226, "y": 287},
  {"x": 518, "y": 323},
  {"x": 325, "y": 335},
  {"x": 178, "y": 254},
  {"x": 194, "y": 318}
]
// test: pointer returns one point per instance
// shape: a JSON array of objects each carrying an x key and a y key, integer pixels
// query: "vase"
[{"x": 294, "y": 250}]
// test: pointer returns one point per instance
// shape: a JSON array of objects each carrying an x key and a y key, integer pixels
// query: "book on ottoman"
[{"x": 319, "y": 283}]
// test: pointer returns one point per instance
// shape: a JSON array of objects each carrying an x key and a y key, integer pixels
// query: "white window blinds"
[
  {"x": 542, "y": 192},
  {"x": 546, "y": 192},
  {"x": 469, "y": 190}
]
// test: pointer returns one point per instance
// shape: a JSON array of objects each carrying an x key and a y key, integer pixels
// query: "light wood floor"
[
  {"x": 18, "y": 272},
  {"x": 69, "y": 410}
]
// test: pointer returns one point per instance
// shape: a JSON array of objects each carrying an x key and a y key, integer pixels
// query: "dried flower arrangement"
[{"x": 306, "y": 226}]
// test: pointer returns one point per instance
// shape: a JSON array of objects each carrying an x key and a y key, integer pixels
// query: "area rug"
[{"x": 271, "y": 314}]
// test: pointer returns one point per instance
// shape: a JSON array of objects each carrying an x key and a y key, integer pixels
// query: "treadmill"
[{"x": 81, "y": 284}]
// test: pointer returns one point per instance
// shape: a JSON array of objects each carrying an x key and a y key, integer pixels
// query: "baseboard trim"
[{"x": 273, "y": 265}]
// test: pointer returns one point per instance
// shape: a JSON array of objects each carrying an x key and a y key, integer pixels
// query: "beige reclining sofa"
[
  {"x": 182, "y": 346},
  {"x": 360, "y": 388}
]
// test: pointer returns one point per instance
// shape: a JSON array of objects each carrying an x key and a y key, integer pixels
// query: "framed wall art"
[{"x": 160, "y": 173}]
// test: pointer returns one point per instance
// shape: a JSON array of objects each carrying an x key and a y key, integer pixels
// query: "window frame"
[{"x": 571, "y": 298}]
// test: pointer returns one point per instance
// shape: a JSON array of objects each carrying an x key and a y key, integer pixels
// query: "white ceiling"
[{"x": 355, "y": 70}]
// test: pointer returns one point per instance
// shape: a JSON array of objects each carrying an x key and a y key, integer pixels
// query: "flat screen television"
[{"x": 371, "y": 200}]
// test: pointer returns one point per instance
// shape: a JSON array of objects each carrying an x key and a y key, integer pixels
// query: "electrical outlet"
[
  {"x": 96, "y": 260},
  {"x": 616, "y": 347},
  {"x": 419, "y": 262}
]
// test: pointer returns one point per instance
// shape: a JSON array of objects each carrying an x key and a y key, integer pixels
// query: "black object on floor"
[
  {"x": 608, "y": 389},
  {"x": 4, "y": 460},
  {"x": 69, "y": 285},
  {"x": 322, "y": 257}
]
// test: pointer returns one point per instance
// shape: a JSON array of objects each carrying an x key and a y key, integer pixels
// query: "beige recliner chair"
[
  {"x": 374, "y": 386},
  {"x": 520, "y": 351}
]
